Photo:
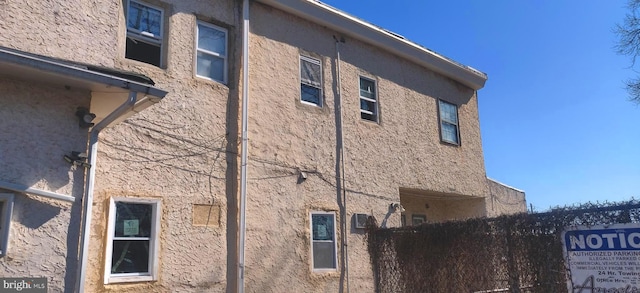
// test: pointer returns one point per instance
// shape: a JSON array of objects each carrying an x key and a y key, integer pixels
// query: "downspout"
[
  {"x": 87, "y": 202},
  {"x": 245, "y": 138},
  {"x": 345, "y": 244}
]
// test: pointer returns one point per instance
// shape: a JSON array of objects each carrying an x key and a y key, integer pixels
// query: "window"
[
  {"x": 323, "y": 242},
  {"x": 211, "y": 52},
  {"x": 144, "y": 33},
  {"x": 449, "y": 130},
  {"x": 368, "y": 100},
  {"x": 310, "y": 81},
  {"x": 6, "y": 209},
  {"x": 132, "y": 245},
  {"x": 418, "y": 219}
]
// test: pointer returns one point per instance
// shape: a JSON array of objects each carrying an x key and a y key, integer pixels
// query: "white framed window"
[
  {"x": 310, "y": 81},
  {"x": 6, "y": 210},
  {"x": 211, "y": 52},
  {"x": 132, "y": 242},
  {"x": 368, "y": 99},
  {"x": 144, "y": 32},
  {"x": 449, "y": 128},
  {"x": 323, "y": 241}
]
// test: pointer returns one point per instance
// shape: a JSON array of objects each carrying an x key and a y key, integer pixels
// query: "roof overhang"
[
  {"x": 103, "y": 83},
  {"x": 344, "y": 23}
]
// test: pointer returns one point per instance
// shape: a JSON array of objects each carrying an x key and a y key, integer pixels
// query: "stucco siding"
[{"x": 38, "y": 128}]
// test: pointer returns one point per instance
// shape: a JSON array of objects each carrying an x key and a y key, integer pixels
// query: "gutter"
[
  {"x": 87, "y": 203},
  {"x": 26, "y": 189},
  {"x": 332, "y": 18}
]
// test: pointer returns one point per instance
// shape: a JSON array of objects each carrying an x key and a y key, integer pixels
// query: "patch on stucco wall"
[{"x": 206, "y": 215}]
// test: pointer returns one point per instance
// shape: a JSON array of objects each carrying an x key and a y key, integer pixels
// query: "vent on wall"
[{"x": 360, "y": 220}]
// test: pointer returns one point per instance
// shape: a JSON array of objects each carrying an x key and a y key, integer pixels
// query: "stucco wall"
[
  {"x": 403, "y": 150},
  {"x": 182, "y": 150},
  {"x": 504, "y": 199},
  {"x": 38, "y": 128}
]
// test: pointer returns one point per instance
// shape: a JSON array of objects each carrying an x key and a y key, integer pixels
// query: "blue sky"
[{"x": 555, "y": 117}]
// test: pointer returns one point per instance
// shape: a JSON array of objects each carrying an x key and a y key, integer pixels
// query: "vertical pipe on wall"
[
  {"x": 343, "y": 212},
  {"x": 87, "y": 202},
  {"x": 245, "y": 138}
]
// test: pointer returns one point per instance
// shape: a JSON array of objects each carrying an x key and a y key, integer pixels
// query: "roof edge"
[
  {"x": 505, "y": 185},
  {"x": 342, "y": 22}
]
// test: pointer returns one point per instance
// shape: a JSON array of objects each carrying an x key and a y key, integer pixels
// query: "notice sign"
[
  {"x": 131, "y": 227},
  {"x": 603, "y": 259}
]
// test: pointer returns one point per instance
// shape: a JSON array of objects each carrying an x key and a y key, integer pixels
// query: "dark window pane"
[
  {"x": 449, "y": 132},
  {"x": 310, "y": 94},
  {"x": 143, "y": 51},
  {"x": 367, "y": 88},
  {"x": 324, "y": 255},
  {"x": 310, "y": 72},
  {"x": 368, "y": 106},
  {"x": 366, "y": 116},
  {"x": 130, "y": 256},
  {"x": 133, "y": 220}
]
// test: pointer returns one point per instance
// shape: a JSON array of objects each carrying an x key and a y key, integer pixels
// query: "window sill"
[{"x": 129, "y": 279}]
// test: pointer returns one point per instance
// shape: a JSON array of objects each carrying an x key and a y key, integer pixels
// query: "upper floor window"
[
  {"x": 310, "y": 81},
  {"x": 323, "y": 241},
  {"x": 144, "y": 33},
  {"x": 6, "y": 209},
  {"x": 449, "y": 128},
  {"x": 368, "y": 99},
  {"x": 211, "y": 52},
  {"x": 132, "y": 244}
]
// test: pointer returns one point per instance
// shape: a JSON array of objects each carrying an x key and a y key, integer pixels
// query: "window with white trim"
[
  {"x": 310, "y": 81},
  {"x": 144, "y": 33},
  {"x": 449, "y": 129},
  {"x": 132, "y": 243},
  {"x": 368, "y": 99},
  {"x": 211, "y": 52},
  {"x": 6, "y": 209},
  {"x": 323, "y": 241}
]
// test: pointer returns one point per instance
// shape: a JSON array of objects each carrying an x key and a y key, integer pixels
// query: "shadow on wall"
[{"x": 33, "y": 213}]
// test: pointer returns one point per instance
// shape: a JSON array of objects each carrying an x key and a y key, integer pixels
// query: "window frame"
[
  {"x": 5, "y": 221},
  {"x": 303, "y": 82},
  {"x": 375, "y": 101},
  {"x": 156, "y": 214},
  {"x": 421, "y": 218},
  {"x": 443, "y": 121},
  {"x": 335, "y": 241},
  {"x": 211, "y": 53},
  {"x": 143, "y": 36}
]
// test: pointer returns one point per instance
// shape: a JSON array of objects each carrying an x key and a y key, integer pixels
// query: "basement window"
[
  {"x": 323, "y": 241},
  {"x": 310, "y": 81},
  {"x": 132, "y": 244},
  {"x": 144, "y": 33},
  {"x": 6, "y": 209}
]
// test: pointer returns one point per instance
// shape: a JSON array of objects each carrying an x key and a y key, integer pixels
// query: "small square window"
[
  {"x": 211, "y": 52},
  {"x": 323, "y": 241},
  {"x": 310, "y": 81},
  {"x": 417, "y": 219},
  {"x": 449, "y": 129},
  {"x": 368, "y": 99},
  {"x": 144, "y": 33},
  {"x": 132, "y": 246},
  {"x": 6, "y": 209}
]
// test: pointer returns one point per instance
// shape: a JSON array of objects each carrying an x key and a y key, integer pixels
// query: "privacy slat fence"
[{"x": 518, "y": 253}]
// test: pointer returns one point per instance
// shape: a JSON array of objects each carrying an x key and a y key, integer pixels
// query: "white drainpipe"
[
  {"x": 245, "y": 139},
  {"x": 87, "y": 202}
]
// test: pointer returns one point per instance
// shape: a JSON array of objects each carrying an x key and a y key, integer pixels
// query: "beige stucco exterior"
[{"x": 185, "y": 150}]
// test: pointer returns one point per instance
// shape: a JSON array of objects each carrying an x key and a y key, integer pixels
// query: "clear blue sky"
[{"x": 555, "y": 117}]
